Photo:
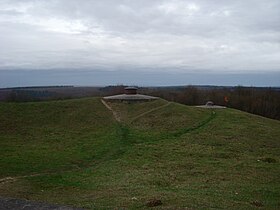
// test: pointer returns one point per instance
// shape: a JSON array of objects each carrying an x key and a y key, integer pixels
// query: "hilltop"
[{"x": 74, "y": 152}]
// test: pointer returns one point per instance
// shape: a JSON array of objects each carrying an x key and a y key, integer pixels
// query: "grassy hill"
[{"x": 74, "y": 152}]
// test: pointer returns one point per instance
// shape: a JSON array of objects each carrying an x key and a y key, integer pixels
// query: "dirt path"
[
  {"x": 11, "y": 179},
  {"x": 116, "y": 116},
  {"x": 15, "y": 178},
  {"x": 148, "y": 112}
]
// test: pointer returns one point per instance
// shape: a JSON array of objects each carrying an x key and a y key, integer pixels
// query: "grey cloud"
[
  {"x": 10, "y": 12},
  {"x": 176, "y": 34},
  {"x": 145, "y": 16}
]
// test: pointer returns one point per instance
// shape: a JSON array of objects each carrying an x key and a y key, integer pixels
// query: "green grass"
[{"x": 185, "y": 156}]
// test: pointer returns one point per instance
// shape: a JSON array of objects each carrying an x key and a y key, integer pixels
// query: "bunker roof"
[
  {"x": 131, "y": 88},
  {"x": 127, "y": 97}
]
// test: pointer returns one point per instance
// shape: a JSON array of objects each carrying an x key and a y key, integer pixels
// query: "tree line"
[
  {"x": 260, "y": 101},
  {"x": 256, "y": 100}
]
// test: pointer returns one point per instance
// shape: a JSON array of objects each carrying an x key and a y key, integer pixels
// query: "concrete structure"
[
  {"x": 130, "y": 90},
  {"x": 130, "y": 95},
  {"x": 211, "y": 105}
]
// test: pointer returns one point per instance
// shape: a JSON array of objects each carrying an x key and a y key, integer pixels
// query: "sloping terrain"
[{"x": 74, "y": 152}]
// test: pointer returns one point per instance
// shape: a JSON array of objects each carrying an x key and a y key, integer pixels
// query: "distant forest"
[
  {"x": 256, "y": 100},
  {"x": 260, "y": 101}
]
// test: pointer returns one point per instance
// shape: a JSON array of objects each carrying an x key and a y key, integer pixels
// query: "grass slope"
[{"x": 74, "y": 152}]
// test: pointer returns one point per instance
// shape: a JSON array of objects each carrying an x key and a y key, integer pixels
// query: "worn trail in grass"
[{"x": 187, "y": 157}]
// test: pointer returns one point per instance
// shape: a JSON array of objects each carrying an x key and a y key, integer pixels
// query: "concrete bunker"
[{"x": 130, "y": 95}]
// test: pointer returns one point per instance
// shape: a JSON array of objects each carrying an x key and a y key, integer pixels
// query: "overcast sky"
[{"x": 226, "y": 36}]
